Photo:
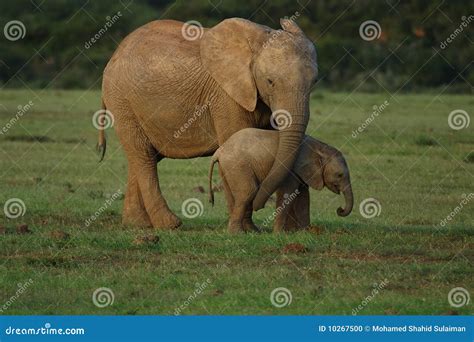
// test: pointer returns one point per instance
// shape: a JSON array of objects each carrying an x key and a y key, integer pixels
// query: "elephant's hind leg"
[
  {"x": 227, "y": 192},
  {"x": 241, "y": 215},
  {"x": 134, "y": 212},
  {"x": 143, "y": 191},
  {"x": 144, "y": 164}
]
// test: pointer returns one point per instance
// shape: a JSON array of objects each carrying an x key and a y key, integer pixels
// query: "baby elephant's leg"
[
  {"x": 237, "y": 217},
  {"x": 243, "y": 190},
  {"x": 227, "y": 192}
]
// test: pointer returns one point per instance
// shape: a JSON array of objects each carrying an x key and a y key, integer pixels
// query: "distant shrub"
[
  {"x": 469, "y": 158},
  {"x": 424, "y": 140}
]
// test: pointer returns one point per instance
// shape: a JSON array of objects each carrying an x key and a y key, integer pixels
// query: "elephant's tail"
[
  {"x": 102, "y": 143},
  {"x": 214, "y": 160}
]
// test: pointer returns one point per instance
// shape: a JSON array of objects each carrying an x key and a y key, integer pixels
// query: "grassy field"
[{"x": 408, "y": 159}]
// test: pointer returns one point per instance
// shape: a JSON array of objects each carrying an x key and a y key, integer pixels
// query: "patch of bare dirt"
[
  {"x": 23, "y": 229},
  {"x": 317, "y": 230},
  {"x": 59, "y": 235},
  {"x": 451, "y": 313},
  {"x": 200, "y": 189},
  {"x": 217, "y": 292},
  {"x": 294, "y": 248},
  {"x": 146, "y": 240}
]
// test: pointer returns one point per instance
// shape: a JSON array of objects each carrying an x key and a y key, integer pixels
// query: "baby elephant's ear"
[{"x": 310, "y": 170}]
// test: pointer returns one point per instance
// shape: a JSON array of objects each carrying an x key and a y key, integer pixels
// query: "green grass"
[
  {"x": 407, "y": 158},
  {"x": 424, "y": 140}
]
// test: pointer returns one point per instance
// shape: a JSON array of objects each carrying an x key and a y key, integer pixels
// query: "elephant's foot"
[
  {"x": 249, "y": 227},
  {"x": 278, "y": 228},
  {"x": 290, "y": 228},
  {"x": 136, "y": 217},
  {"x": 165, "y": 219},
  {"x": 235, "y": 228},
  {"x": 136, "y": 221}
]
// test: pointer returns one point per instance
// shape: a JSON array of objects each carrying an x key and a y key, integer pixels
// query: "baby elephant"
[{"x": 246, "y": 158}]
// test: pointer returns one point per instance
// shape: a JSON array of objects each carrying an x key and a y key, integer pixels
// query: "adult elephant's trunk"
[
  {"x": 349, "y": 198},
  {"x": 292, "y": 124}
]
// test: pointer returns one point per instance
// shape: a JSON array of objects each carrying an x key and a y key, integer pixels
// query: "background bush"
[{"x": 406, "y": 57}]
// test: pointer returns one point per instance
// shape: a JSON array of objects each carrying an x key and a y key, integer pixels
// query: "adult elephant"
[{"x": 178, "y": 95}]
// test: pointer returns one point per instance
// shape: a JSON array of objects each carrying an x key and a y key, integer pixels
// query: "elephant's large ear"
[
  {"x": 226, "y": 53},
  {"x": 290, "y": 26}
]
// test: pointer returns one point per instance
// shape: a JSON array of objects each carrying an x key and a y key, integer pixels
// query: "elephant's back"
[
  {"x": 160, "y": 46},
  {"x": 253, "y": 139},
  {"x": 168, "y": 36},
  {"x": 252, "y": 145}
]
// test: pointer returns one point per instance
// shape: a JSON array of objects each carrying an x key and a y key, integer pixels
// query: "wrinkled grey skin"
[{"x": 245, "y": 160}]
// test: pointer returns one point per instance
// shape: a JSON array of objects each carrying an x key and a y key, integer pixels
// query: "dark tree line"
[{"x": 420, "y": 44}]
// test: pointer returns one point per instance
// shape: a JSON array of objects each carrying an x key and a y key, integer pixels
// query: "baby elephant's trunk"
[
  {"x": 349, "y": 198},
  {"x": 211, "y": 170}
]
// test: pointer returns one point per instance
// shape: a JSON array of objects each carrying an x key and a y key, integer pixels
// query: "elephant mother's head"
[{"x": 251, "y": 61}]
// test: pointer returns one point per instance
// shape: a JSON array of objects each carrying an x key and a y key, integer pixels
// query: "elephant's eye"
[
  {"x": 270, "y": 82},
  {"x": 340, "y": 174}
]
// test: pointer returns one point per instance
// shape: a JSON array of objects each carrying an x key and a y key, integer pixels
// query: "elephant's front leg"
[{"x": 247, "y": 223}]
